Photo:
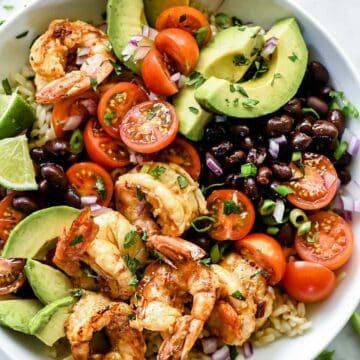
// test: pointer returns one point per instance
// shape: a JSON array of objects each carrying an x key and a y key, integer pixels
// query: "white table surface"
[{"x": 341, "y": 19}]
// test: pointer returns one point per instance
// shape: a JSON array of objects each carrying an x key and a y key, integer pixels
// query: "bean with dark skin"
[
  {"x": 318, "y": 105},
  {"x": 25, "y": 204},
  {"x": 256, "y": 156},
  {"x": 263, "y": 175},
  {"x": 234, "y": 181},
  {"x": 323, "y": 129},
  {"x": 235, "y": 159},
  {"x": 324, "y": 92},
  {"x": 239, "y": 130},
  {"x": 343, "y": 175},
  {"x": 222, "y": 149},
  {"x": 202, "y": 241},
  {"x": 319, "y": 72},
  {"x": 247, "y": 143},
  {"x": 57, "y": 147},
  {"x": 214, "y": 134},
  {"x": 55, "y": 175},
  {"x": 72, "y": 159},
  {"x": 44, "y": 187},
  {"x": 345, "y": 160},
  {"x": 281, "y": 171},
  {"x": 300, "y": 141},
  {"x": 250, "y": 188},
  {"x": 277, "y": 126},
  {"x": 293, "y": 107},
  {"x": 304, "y": 127},
  {"x": 39, "y": 155},
  {"x": 337, "y": 118},
  {"x": 286, "y": 235},
  {"x": 72, "y": 198}
]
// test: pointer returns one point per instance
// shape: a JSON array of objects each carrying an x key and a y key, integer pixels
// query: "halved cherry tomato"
[
  {"x": 103, "y": 149},
  {"x": 9, "y": 218},
  {"x": 12, "y": 275},
  {"x": 266, "y": 252},
  {"x": 155, "y": 74},
  {"x": 115, "y": 103},
  {"x": 186, "y": 18},
  {"x": 234, "y": 214},
  {"x": 73, "y": 106},
  {"x": 180, "y": 47},
  {"x": 149, "y": 126},
  {"x": 329, "y": 243},
  {"x": 181, "y": 152},
  {"x": 308, "y": 282},
  {"x": 90, "y": 179},
  {"x": 316, "y": 184}
]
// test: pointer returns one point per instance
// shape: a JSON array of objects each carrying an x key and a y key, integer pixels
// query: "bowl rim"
[{"x": 292, "y": 5}]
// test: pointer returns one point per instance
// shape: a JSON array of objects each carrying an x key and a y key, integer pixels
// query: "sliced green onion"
[
  {"x": 304, "y": 228},
  {"x": 311, "y": 111},
  {"x": 272, "y": 230},
  {"x": 223, "y": 21},
  {"x": 297, "y": 217},
  {"x": 248, "y": 170},
  {"x": 267, "y": 207},
  {"x": 296, "y": 156},
  {"x": 284, "y": 190},
  {"x": 76, "y": 142},
  {"x": 215, "y": 254},
  {"x": 204, "y": 190},
  {"x": 340, "y": 150},
  {"x": 270, "y": 221},
  {"x": 199, "y": 219},
  {"x": 355, "y": 321},
  {"x": 145, "y": 169}
]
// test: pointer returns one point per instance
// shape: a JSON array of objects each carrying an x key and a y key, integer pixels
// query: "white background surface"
[{"x": 341, "y": 20}]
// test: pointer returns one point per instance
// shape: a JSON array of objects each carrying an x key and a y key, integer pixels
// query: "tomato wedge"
[
  {"x": 186, "y": 18},
  {"x": 103, "y": 149},
  {"x": 115, "y": 103},
  {"x": 316, "y": 184},
  {"x": 149, "y": 126},
  {"x": 308, "y": 282},
  {"x": 83, "y": 105},
  {"x": 180, "y": 47},
  {"x": 181, "y": 152},
  {"x": 329, "y": 243},
  {"x": 90, "y": 179},
  {"x": 156, "y": 75},
  {"x": 266, "y": 252},
  {"x": 234, "y": 214}
]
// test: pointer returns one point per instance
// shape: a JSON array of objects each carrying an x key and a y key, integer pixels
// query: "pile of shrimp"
[{"x": 138, "y": 273}]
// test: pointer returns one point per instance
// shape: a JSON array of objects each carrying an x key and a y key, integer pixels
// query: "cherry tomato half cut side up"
[
  {"x": 103, "y": 149},
  {"x": 234, "y": 214},
  {"x": 155, "y": 74},
  {"x": 316, "y": 184},
  {"x": 266, "y": 252},
  {"x": 186, "y": 18},
  {"x": 180, "y": 47},
  {"x": 115, "y": 103},
  {"x": 182, "y": 153},
  {"x": 149, "y": 126},
  {"x": 90, "y": 179},
  {"x": 308, "y": 282},
  {"x": 329, "y": 243}
]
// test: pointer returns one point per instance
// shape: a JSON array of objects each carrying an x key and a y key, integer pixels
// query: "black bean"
[
  {"x": 209, "y": 176},
  {"x": 72, "y": 198},
  {"x": 318, "y": 104},
  {"x": 256, "y": 156},
  {"x": 234, "y": 180},
  {"x": 57, "y": 147},
  {"x": 247, "y": 143},
  {"x": 239, "y": 130},
  {"x": 325, "y": 130},
  {"x": 38, "y": 154},
  {"x": 55, "y": 175},
  {"x": 300, "y": 141},
  {"x": 304, "y": 127},
  {"x": 250, "y": 188},
  {"x": 44, "y": 187},
  {"x": 235, "y": 159},
  {"x": 344, "y": 176},
  {"x": 25, "y": 204},
  {"x": 293, "y": 107},
  {"x": 319, "y": 72},
  {"x": 281, "y": 171},
  {"x": 214, "y": 134},
  {"x": 345, "y": 160},
  {"x": 202, "y": 241},
  {"x": 310, "y": 118},
  {"x": 337, "y": 118},
  {"x": 324, "y": 92},
  {"x": 279, "y": 125},
  {"x": 222, "y": 149},
  {"x": 72, "y": 158},
  {"x": 286, "y": 235},
  {"x": 263, "y": 175}
]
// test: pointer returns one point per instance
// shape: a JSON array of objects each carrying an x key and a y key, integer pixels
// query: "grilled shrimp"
[
  {"x": 55, "y": 78},
  {"x": 94, "y": 312}
]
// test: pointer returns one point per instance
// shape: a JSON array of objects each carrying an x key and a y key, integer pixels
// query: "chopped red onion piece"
[
  {"x": 281, "y": 140},
  {"x": 213, "y": 164},
  {"x": 88, "y": 200},
  {"x": 97, "y": 209},
  {"x": 337, "y": 203},
  {"x": 90, "y": 105},
  {"x": 346, "y": 215},
  {"x": 279, "y": 210},
  {"x": 248, "y": 350},
  {"x": 152, "y": 34},
  {"x": 81, "y": 55},
  {"x": 352, "y": 140},
  {"x": 73, "y": 122},
  {"x": 132, "y": 157},
  {"x": 329, "y": 179},
  {"x": 128, "y": 52},
  {"x": 145, "y": 30},
  {"x": 134, "y": 40},
  {"x": 141, "y": 52},
  {"x": 209, "y": 345},
  {"x": 274, "y": 148},
  {"x": 153, "y": 96},
  {"x": 175, "y": 77},
  {"x": 222, "y": 354},
  {"x": 269, "y": 48},
  {"x": 348, "y": 203}
]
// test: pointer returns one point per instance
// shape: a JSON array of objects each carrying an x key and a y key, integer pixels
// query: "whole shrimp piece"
[{"x": 50, "y": 54}]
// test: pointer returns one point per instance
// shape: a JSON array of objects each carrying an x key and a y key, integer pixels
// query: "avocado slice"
[
  {"x": 217, "y": 59},
  {"x": 48, "y": 284},
  {"x": 269, "y": 92},
  {"x": 125, "y": 18},
  {"x": 38, "y": 232},
  {"x": 17, "y": 313},
  {"x": 48, "y": 324},
  {"x": 153, "y": 8}
]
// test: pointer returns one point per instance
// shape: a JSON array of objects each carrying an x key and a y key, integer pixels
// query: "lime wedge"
[
  {"x": 16, "y": 169},
  {"x": 16, "y": 115}
]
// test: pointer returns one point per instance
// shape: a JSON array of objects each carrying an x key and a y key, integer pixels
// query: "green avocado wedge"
[
  {"x": 38, "y": 233},
  {"x": 48, "y": 283},
  {"x": 266, "y": 94}
]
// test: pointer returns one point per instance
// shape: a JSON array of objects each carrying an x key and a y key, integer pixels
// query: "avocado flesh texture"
[
  {"x": 273, "y": 89},
  {"x": 125, "y": 18},
  {"x": 48, "y": 324},
  {"x": 35, "y": 235},
  {"x": 17, "y": 313},
  {"x": 48, "y": 284},
  {"x": 153, "y": 8},
  {"x": 216, "y": 59}
]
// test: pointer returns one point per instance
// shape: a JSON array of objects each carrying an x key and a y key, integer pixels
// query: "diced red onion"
[
  {"x": 248, "y": 350},
  {"x": 281, "y": 140},
  {"x": 274, "y": 148},
  {"x": 279, "y": 210},
  {"x": 129, "y": 51},
  {"x": 141, "y": 52},
  {"x": 139, "y": 158},
  {"x": 134, "y": 40},
  {"x": 353, "y": 188},
  {"x": 145, "y": 30},
  {"x": 346, "y": 215},
  {"x": 88, "y": 200},
  {"x": 337, "y": 204},
  {"x": 140, "y": 208},
  {"x": 90, "y": 105},
  {"x": 73, "y": 122},
  {"x": 329, "y": 179},
  {"x": 153, "y": 96},
  {"x": 97, "y": 210},
  {"x": 149, "y": 32},
  {"x": 209, "y": 345},
  {"x": 352, "y": 140},
  {"x": 213, "y": 164},
  {"x": 175, "y": 77},
  {"x": 269, "y": 47},
  {"x": 222, "y": 354},
  {"x": 348, "y": 203},
  {"x": 338, "y": 184},
  {"x": 132, "y": 157}
]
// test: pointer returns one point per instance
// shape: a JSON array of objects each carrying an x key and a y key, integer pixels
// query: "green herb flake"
[
  {"x": 223, "y": 21},
  {"x": 308, "y": 110},
  {"x": 240, "y": 60},
  {"x": 231, "y": 207},
  {"x": 145, "y": 169},
  {"x": 250, "y": 103},
  {"x": 206, "y": 262},
  {"x": 284, "y": 190},
  {"x": 248, "y": 170},
  {"x": 293, "y": 57},
  {"x": 232, "y": 88},
  {"x": 21, "y": 35},
  {"x": 261, "y": 272},
  {"x": 182, "y": 18},
  {"x": 108, "y": 117},
  {"x": 296, "y": 156},
  {"x": 139, "y": 194},
  {"x": 195, "y": 79},
  {"x": 131, "y": 317},
  {"x": 326, "y": 355},
  {"x": 242, "y": 91},
  {"x": 201, "y": 35},
  {"x": 194, "y": 110},
  {"x": 182, "y": 182},
  {"x": 238, "y": 295},
  {"x": 6, "y": 86},
  {"x": 347, "y": 107},
  {"x": 94, "y": 84},
  {"x": 312, "y": 239},
  {"x": 100, "y": 188},
  {"x": 8, "y": 7},
  {"x": 276, "y": 76},
  {"x": 131, "y": 238},
  {"x": 77, "y": 239},
  {"x": 77, "y": 293},
  {"x": 157, "y": 172},
  {"x": 255, "y": 51},
  {"x": 89, "y": 272},
  {"x": 236, "y": 102},
  {"x": 340, "y": 149},
  {"x": 261, "y": 67},
  {"x": 133, "y": 281},
  {"x": 131, "y": 263},
  {"x": 144, "y": 235}
]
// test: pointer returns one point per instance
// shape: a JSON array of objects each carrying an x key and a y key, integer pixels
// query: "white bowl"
[{"x": 328, "y": 317}]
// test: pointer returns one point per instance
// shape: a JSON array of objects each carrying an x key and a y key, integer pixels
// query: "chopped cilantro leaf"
[
  {"x": 131, "y": 238},
  {"x": 293, "y": 57},
  {"x": 108, "y": 117},
  {"x": 347, "y": 107},
  {"x": 133, "y": 281},
  {"x": 194, "y": 110},
  {"x": 242, "y": 91},
  {"x": 157, "y": 172},
  {"x": 100, "y": 188},
  {"x": 131, "y": 317},
  {"x": 311, "y": 111},
  {"x": 205, "y": 262},
  {"x": 195, "y": 79},
  {"x": 89, "y": 272},
  {"x": 263, "y": 272},
  {"x": 238, "y": 295},
  {"x": 94, "y": 83},
  {"x": 21, "y": 35},
  {"x": 139, "y": 194},
  {"x": 250, "y": 103},
  {"x": 326, "y": 355},
  {"x": 276, "y": 76},
  {"x": 201, "y": 35},
  {"x": 231, "y": 207},
  {"x": 183, "y": 183},
  {"x": 132, "y": 263},
  {"x": 240, "y": 60},
  {"x": 77, "y": 239},
  {"x": 236, "y": 102}
]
